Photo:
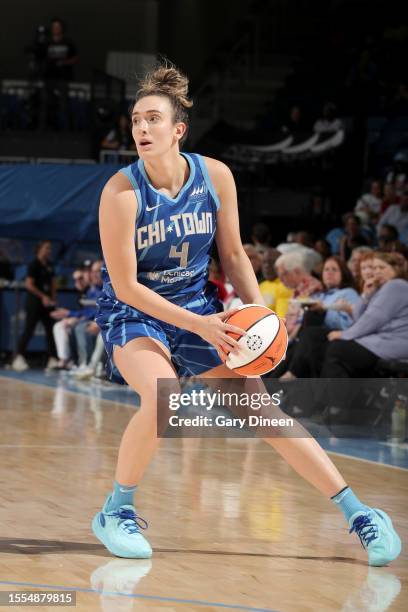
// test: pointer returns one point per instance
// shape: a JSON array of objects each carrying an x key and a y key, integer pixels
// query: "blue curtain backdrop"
[{"x": 57, "y": 202}]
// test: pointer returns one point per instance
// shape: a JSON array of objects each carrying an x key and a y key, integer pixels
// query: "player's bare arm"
[{"x": 234, "y": 260}]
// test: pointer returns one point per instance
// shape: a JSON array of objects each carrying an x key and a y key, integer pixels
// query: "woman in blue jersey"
[{"x": 160, "y": 319}]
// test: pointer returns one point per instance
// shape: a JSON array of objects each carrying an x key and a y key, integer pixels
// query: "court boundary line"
[
  {"x": 26, "y": 382},
  {"x": 38, "y": 384},
  {"x": 138, "y": 596},
  {"x": 371, "y": 461}
]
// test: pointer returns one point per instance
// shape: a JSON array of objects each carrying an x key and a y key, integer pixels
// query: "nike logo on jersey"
[{"x": 149, "y": 208}]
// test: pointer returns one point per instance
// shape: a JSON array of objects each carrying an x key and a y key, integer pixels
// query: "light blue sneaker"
[
  {"x": 119, "y": 531},
  {"x": 377, "y": 535}
]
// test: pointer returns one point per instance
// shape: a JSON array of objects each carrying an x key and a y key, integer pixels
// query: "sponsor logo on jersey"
[{"x": 170, "y": 276}]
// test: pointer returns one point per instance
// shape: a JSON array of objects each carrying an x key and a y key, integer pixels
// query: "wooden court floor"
[{"x": 232, "y": 526}]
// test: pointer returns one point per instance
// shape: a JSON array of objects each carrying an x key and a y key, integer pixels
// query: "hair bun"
[{"x": 166, "y": 79}]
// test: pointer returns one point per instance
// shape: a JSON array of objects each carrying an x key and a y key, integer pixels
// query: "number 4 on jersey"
[{"x": 182, "y": 254}]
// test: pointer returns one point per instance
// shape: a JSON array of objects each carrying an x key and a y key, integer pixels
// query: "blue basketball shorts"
[{"x": 191, "y": 355}]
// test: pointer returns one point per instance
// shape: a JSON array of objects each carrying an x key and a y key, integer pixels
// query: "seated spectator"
[
  {"x": 294, "y": 270},
  {"x": 370, "y": 202},
  {"x": 397, "y": 215},
  {"x": 329, "y": 122},
  {"x": 120, "y": 137},
  {"x": 322, "y": 246},
  {"x": 261, "y": 236},
  {"x": 353, "y": 236},
  {"x": 67, "y": 319},
  {"x": 95, "y": 365},
  {"x": 354, "y": 262},
  {"x": 380, "y": 330},
  {"x": 323, "y": 316},
  {"x": 387, "y": 238},
  {"x": 41, "y": 298},
  {"x": 390, "y": 197},
  {"x": 87, "y": 330},
  {"x": 304, "y": 239},
  {"x": 274, "y": 292},
  {"x": 84, "y": 332}
]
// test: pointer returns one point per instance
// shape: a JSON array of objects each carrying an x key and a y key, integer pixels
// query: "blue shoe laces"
[
  {"x": 365, "y": 529},
  {"x": 129, "y": 519}
]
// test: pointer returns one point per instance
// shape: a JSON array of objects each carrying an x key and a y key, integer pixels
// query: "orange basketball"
[{"x": 265, "y": 344}]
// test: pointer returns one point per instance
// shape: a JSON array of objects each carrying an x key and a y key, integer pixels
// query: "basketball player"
[{"x": 160, "y": 319}]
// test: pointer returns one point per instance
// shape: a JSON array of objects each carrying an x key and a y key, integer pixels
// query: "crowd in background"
[
  {"x": 344, "y": 295},
  {"x": 74, "y": 342}
]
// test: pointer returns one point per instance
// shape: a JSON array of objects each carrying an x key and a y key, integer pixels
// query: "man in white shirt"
[
  {"x": 397, "y": 215},
  {"x": 370, "y": 203}
]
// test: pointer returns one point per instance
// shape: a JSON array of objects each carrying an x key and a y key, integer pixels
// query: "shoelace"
[
  {"x": 365, "y": 529},
  {"x": 131, "y": 522}
]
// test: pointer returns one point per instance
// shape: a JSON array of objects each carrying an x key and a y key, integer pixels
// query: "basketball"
[{"x": 264, "y": 347}]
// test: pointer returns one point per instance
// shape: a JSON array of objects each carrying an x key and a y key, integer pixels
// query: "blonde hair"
[{"x": 168, "y": 81}]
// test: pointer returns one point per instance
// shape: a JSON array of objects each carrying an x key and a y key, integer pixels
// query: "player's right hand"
[{"x": 213, "y": 329}]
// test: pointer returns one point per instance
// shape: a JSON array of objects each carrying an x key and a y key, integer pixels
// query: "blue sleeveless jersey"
[{"x": 173, "y": 236}]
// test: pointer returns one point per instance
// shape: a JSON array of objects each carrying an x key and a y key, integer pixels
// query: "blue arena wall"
[{"x": 54, "y": 201}]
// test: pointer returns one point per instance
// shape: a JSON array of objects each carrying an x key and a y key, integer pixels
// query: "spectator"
[
  {"x": 87, "y": 330},
  {"x": 67, "y": 319},
  {"x": 381, "y": 327},
  {"x": 370, "y": 203},
  {"x": 274, "y": 292},
  {"x": 295, "y": 123},
  {"x": 329, "y": 122},
  {"x": 354, "y": 262},
  {"x": 60, "y": 57},
  {"x": 261, "y": 236},
  {"x": 387, "y": 237},
  {"x": 322, "y": 246},
  {"x": 304, "y": 239},
  {"x": 41, "y": 297},
  {"x": 390, "y": 197},
  {"x": 294, "y": 270},
  {"x": 353, "y": 236},
  {"x": 397, "y": 215},
  {"x": 120, "y": 137},
  {"x": 95, "y": 366},
  {"x": 307, "y": 358}
]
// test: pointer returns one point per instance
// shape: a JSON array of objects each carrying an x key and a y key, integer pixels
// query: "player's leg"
[
  {"x": 310, "y": 461},
  {"x": 141, "y": 362},
  {"x": 300, "y": 450}
]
